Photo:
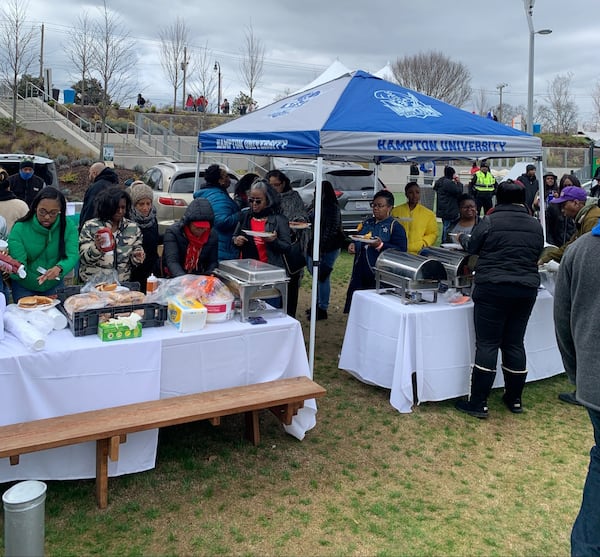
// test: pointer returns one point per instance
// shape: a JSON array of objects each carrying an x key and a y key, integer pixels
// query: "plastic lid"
[{"x": 24, "y": 492}]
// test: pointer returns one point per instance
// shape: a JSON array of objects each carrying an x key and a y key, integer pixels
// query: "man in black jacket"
[
  {"x": 25, "y": 185},
  {"x": 448, "y": 191},
  {"x": 101, "y": 177},
  {"x": 530, "y": 181}
]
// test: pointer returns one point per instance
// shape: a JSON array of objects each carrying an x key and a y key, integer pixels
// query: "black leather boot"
[
  {"x": 514, "y": 381},
  {"x": 481, "y": 384}
]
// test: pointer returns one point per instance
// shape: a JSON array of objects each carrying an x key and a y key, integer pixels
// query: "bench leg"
[
  {"x": 253, "y": 427},
  {"x": 102, "y": 452}
]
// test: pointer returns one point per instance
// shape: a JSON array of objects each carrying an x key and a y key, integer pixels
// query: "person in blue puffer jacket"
[{"x": 226, "y": 210}]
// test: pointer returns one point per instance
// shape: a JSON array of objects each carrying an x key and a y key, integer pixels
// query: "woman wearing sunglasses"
[
  {"x": 263, "y": 233},
  {"x": 46, "y": 242}
]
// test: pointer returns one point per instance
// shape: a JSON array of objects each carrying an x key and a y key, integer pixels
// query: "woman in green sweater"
[{"x": 46, "y": 242}]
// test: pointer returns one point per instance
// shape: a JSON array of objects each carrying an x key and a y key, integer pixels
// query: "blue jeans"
[
  {"x": 19, "y": 291},
  {"x": 585, "y": 537},
  {"x": 445, "y": 228},
  {"x": 324, "y": 286}
]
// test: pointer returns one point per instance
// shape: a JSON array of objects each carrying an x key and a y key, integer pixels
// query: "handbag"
[{"x": 294, "y": 259}]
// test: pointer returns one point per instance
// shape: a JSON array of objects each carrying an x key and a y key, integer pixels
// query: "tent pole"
[
  {"x": 197, "y": 175},
  {"x": 542, "y": 194},
  {"x": 375, "y": 178},
  {"x": 315, "y": 266}
]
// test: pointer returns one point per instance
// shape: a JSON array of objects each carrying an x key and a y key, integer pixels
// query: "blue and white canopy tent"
[{"x": 360, "y": 117}]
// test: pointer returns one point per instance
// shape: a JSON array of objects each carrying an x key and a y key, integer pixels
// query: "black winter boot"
[
  {"x": 514, "y": 381},
  {"x": 481, "y": 384}
]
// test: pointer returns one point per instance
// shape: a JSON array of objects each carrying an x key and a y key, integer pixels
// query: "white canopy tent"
[{"x": 360, "y": 117}]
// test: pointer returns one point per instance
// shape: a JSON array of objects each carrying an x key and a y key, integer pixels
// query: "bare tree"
[
  {"x": 251, "y": 66},
  {"x": 204, "y": 77},
  {"x": 113, "y": 56},
  {"x": 435, "y": 75},
  {"x": 79, "y": 49},
  {"x": 596, "y": 102},
  {"x": 174, "y": 60},
  {"x": 480, "y": 101},
  {"x": 559, "y": 115},
  {"x": 16, "y": 48}
]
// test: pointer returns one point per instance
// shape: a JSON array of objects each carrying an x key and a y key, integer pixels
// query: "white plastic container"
[
  {"x": 186, "y": 314},
  {"x": 220, "y": 311}
]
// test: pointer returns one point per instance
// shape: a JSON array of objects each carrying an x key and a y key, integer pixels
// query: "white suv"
[
  {"x": 173, "y": 185},
  {"x": 352, "y": 183}
]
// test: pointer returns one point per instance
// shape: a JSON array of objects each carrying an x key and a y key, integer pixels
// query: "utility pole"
[
  {"x": 42, "y": 53},
  {"x": 500, "y": 86}
]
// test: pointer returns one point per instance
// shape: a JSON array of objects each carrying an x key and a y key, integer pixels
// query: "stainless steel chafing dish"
[
  {"x": 456, "y": 263},
  {"x": 252, "y": 282},
  {"x": 408, "y": 275}
]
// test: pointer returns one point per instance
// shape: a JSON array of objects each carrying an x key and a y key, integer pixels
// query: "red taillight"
[
  {"x": 338, "y": 193},
  {"x": 172, "y": 201}
]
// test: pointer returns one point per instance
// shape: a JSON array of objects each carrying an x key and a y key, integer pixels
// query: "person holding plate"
[
  {"x": 263, "y": 233},
  {"x": 376, "y": 234},
  {"x": 468, "y": 217},
  {"x": 46, "y": 242}
]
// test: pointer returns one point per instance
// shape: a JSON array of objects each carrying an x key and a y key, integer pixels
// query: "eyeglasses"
[
  {"x": 378, "y": 205},
  {"x": 255, "y": 200},
  {"x": 43, "y": 213}
]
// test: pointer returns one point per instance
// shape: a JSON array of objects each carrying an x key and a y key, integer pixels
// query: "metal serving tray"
[
  {"x": 253, "y": 271},
  {"x": 456, "y": 264}
]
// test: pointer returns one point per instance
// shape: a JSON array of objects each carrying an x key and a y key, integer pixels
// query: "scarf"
[
  {"x": 195, "y": 245},
  {"x": 141, "y": 220}
]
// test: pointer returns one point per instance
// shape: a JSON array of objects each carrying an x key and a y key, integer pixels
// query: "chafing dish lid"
[
  {"x": 407, "y": 265},
  {"x": 455, "y": 262},
  {"x": 253, "y": 271}
]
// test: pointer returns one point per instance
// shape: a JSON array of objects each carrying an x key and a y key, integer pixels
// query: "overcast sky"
[{"x": 302, "y": 38}]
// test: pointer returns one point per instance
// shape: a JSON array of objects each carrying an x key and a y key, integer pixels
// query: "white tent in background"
[
  {"x": 335, "y": 70},
  {"x": 386, "y": 73}
]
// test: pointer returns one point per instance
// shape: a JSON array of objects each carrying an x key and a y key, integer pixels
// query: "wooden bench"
[{"x": 109, "y": 427}]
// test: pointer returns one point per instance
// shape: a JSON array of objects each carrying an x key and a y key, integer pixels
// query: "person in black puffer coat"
[
  {"x": 532, "y": 186},
  {"x": 448, "y": 191},
  {"x": 191, "y": 246},
  {"x": 508, "y": 243},
  {"x": 101, "y": 178}
]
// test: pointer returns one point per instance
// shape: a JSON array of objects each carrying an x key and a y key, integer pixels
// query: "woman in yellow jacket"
[{"x": 418, "y": 221}]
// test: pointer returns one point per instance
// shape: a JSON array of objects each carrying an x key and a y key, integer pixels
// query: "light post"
[
  {"x": 529, "y": 13},
  {"x": 500, "y": 86},
  {"x": 217, "y": 68}
]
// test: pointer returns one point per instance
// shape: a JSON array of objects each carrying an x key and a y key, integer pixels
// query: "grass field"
[{"x": 366, "y": 481}]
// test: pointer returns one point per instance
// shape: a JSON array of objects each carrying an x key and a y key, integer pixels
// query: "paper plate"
[
  {"x": 362, "y": 239},
  {"x": 44, "y": 306},
  {"x": 299, "y": 225},
  {"x": 258, "y": 234}
]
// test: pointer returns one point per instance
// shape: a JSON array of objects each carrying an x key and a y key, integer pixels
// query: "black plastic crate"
[
  {"x": 86, "y": 322},
  {"x": 68, "y": 291}
]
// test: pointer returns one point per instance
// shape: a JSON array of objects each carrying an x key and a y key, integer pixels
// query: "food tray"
[
  {"x": 84, "y": 323},
  {"x": 252, "y": 271},
  {"x": 68, "y": 291}
]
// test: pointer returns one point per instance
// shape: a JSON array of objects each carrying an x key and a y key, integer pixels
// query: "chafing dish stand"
[
  {"x": 409, "y": 276},
  {"x": 252, "y": 282},
  {"x": 456, "y": 263}
]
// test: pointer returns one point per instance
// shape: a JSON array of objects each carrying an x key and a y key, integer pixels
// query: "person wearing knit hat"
[
  {"x": 25, "y": 184},
  {"x": 143, "y": 213}
]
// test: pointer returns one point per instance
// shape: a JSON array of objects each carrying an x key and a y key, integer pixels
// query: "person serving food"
[{"x": 375, "y": 234}]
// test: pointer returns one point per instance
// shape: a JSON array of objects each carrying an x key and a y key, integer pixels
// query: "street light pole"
[
  {"x": 529, "y": 13},
  {"x": 500, "y": 86},
  {"x": 217, "y": 68}
]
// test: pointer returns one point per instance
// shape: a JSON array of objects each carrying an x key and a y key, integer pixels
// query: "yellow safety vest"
[{"x": 484, "y": 182}]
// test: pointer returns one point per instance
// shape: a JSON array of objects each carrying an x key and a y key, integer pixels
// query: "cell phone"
[{"x": 257, "y": 320}]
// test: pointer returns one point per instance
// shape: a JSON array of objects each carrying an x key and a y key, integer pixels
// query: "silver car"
[
  {"x": 352, "y": 183},
  {"x": 173, "y": 185}
]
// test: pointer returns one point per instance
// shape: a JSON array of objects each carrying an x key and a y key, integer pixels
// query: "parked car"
[
  {"x": 352, "y": 183},
  {"x": 42, "y": 167},
  {"x": 173, "y": 185}
]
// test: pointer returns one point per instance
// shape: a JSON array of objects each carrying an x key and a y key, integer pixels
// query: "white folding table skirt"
[
  {"x": 387, "y": 341},
  {"x": 75, "y": 374}
]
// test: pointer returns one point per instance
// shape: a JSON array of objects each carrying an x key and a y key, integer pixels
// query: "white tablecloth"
[
  {"x": 74, "y": 374},
  {"x": 386, "y": 341}
]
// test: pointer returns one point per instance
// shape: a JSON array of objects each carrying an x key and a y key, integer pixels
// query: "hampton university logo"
[
  {"x": 290, "y": 106},
  {"x": 405, "y": 104}
]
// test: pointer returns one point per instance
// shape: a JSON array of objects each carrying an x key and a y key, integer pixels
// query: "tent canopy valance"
[{"x": 361, "y": 117}]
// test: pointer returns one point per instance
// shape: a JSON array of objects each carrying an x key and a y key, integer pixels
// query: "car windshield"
[{"x": 351, "y": 180}]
